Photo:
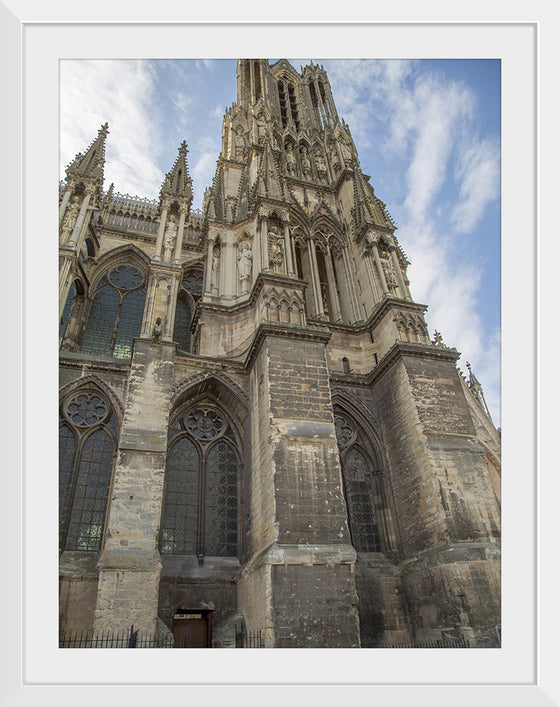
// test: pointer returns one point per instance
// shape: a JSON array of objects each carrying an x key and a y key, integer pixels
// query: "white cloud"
[
  {"x": 120, "y": 93},
  {"x": 425, "y": 123},
  {"x": 479, "y": 172}
]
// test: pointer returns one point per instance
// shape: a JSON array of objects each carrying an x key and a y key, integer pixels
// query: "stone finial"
[{"x": 438, "y": 339}]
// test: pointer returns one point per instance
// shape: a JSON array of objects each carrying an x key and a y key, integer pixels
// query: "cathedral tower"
[{"x": 294, "y": 455}]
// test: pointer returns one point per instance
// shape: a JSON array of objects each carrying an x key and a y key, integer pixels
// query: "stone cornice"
[
  {"x": 398, "y": 351},
  {"x": 377, "y": 315},
  {"x": 71, "y": 359},
  {"x": 284, "y": 331}
]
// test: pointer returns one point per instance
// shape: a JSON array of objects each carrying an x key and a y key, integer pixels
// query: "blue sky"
[{"x": 427, "y": 132}]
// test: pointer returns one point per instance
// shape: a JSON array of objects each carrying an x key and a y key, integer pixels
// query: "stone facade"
[{"x": 256, "y": 429}]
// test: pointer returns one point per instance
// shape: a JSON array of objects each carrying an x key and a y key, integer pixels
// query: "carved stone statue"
[
  {"x": 215, "y": 267},
  {"x": 335, "y": 159},
  {"x": 157, "y": 330},
  {"x": 321, "y": 165},
  {"x": 70, "y": 219},
  {"x": 275, "y": 249},
  {"x": 389, "y": 272},
  {"x": 346, "y": 150},
  {"x": 244, "y": 263},
  {"x": 305, "y": 163},
  {"x": 290, "y": 159},
  {"x": 239, "y": 143},
  {"x": 261, "y": 128},
  {"x": 169, "y": 238}
]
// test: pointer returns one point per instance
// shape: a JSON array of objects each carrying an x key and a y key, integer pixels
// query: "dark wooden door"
[{"x": 191, "y": 632}]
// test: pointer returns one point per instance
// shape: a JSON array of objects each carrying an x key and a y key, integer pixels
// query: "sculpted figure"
[
  {"x": 290, "y": 159},
  {"x": 239, "y": 143},
  {"x": 389, "y": 272},
  {"x": 215, "y": 266},
  {"x": 69, "y": 219},
  {"x": 261, "y": 128},
  {"x": 305, "y": 163},
  {"x": 156, "y": 331},
  {"x": 244, "y": 264},
  {"x": 321, "y": 165},
  {"x": 169, "y": 238},
  {"x": 334, "y": 157},
  {"x": 346, "y": 150},
  {"x": 275, "y": 249}
]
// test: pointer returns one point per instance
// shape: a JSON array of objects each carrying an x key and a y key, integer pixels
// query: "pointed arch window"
[
  {"x": 115, "y": 317},
  {"x": 189, "y": 293},
  {"x": 87, "y": 444},
  {"x": 66, "y": 312},
  {"x": 200, "y": 506},
  {"x": 369, "y": 515}
]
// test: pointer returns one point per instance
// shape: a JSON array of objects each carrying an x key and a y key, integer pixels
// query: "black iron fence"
[
  {"x": 440, "y": 643},
  {"x": 127, "y": 638},
  {"x": 248, "y": 640}
]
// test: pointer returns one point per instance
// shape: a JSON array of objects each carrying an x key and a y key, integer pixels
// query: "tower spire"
[
  {"x": 177, "y": 183},
  {"x": 90, "y": 164}
]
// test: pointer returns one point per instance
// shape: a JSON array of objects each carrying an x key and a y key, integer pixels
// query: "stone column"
[
  {"x": 315, "y": 276},
  {"x": 347, "y": 276},
  {"x": 161, "y": 230},
  {"x": 263, "y": 222},
  {"x": 288, "y": 249},
  {"x": 179, "y": 242},
  {"x": 64, "y": 282},
  {"x": 380, "y": 269},
  {"x": 337, "y": 315},
  {"x": 64, "y": 203},
  {"x": 398, "y": 272},
  {"x": 256, "y": 253},
  {"x": 372, "y": 277},
  {"x": 75, "y": 237},
  {"x": 228, "y": 269},
  {"x": 129, "y": 563},
  {"x": 208, "y": 279}
]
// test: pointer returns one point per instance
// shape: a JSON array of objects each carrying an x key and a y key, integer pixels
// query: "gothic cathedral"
[{"x": 257, "y": 434}]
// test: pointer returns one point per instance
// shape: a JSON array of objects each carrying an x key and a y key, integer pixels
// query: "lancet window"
[
  {"x": 87, "y": 444},
  {"x": 189, "y": 293},
  {"x": 200, "y": 506},
  {"x": 66, "y": 312},
  {"x": 115, "y": 317},
  {"x": 369, "y": 516}
]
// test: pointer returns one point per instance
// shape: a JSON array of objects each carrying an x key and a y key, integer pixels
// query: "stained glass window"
[
  {"x": 180, "y": 508},
  {"x": 66, "y": 312},
  {"x": 182, "y": 326},
  {"x": 87, "y": 448},
  {"x": 359, "y": 499},
  {"x": 116, "y": 313},
  {"x": 359, "y": 486},
  {"x": 200, "y": 499}
]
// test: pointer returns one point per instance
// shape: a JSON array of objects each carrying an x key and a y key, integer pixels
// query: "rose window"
[
  {"x": 204, "y": 424},
  {"x": 86, "y": 410},
  {"x": 126, "y": 277}
]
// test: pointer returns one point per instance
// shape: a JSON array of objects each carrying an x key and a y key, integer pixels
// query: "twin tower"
[{"x": 256, "y": 432}]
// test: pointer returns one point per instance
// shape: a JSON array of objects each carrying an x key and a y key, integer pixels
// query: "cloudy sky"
[{"x": 427, "y": 132}]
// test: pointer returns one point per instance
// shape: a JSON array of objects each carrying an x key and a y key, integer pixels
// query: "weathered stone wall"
[
  {"x": 77, "y": 596},
  {"x": 297, "y": 512},
  {"x": 458, "y": 599},
  {"x": 315, "y": 606},
  {"x": 129, "y": 563},
  {"x": 381, "y": 609}
]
